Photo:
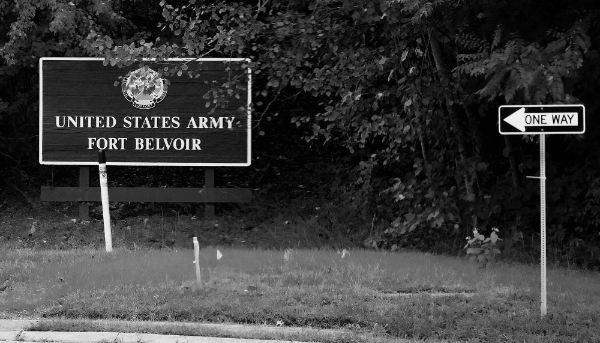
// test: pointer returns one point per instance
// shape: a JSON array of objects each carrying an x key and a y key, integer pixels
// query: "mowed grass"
[{"x": 366, "y": 292}]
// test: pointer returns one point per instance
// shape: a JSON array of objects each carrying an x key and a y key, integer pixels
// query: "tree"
[{"x": 410, "y": 87}]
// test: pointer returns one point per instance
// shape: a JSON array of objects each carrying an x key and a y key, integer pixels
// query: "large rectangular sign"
[
  {"x": 541, "y": 119},
  {"x": 146, "y": 119}
]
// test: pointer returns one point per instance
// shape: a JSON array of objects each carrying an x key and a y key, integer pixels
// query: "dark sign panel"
[
  {"x": 538, "y": 119},
  {"x": 146, "y": 119}
]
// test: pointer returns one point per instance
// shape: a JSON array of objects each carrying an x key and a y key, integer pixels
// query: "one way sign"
[{"x": 538, "y": 119}]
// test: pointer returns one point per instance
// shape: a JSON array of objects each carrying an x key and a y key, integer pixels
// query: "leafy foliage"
[
  {"x": 482, "y": 250},
  {"x": 525, "y": 72},
  {"x": 409, "y": 88}
]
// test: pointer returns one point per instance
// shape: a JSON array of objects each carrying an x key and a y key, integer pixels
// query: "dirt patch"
[{"x": 432, "y": 294}]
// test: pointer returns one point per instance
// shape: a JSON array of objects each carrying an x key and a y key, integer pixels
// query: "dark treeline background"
[{"x": 385, "y": 109}]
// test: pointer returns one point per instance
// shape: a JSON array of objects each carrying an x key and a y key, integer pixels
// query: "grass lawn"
[{"x": 372, "y": 295}]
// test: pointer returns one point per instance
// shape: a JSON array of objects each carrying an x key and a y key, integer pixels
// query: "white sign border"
[
  {"x": 540, "y": 133},
  {"x": 164, "y": 164}
]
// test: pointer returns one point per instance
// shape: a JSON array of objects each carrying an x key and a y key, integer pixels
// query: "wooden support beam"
[
  {"x": 209, "y": 184},
  {"x": 144, "y": 194},
  {"x": 84, "y": 181}
]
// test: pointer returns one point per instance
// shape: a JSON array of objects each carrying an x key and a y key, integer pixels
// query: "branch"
[
  {"x": 268, "y": 105},
  {"x": 31, "y": 202}
]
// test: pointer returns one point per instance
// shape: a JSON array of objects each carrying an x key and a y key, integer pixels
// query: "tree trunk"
[
  {"x": 475, "y": 128},
  {"x": 436, "y": 50},
  {"x": 514, "y": 168}
]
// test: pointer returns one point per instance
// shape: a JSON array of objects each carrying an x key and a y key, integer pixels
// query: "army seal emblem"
[{"x": 144, "y": 88}]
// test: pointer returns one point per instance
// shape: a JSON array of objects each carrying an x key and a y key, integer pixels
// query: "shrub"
[{"x": 482, "y": 250}]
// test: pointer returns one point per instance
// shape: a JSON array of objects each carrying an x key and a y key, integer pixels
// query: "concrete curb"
[
  {"x": 24, "y": 325},
  {"x": 16, "y": 331},
  {"x": 9, "y": 335},
  {"x": 80, "y": 337},
  {"x": 73, "y": 337},
  {"x": 16, "y": 325}
]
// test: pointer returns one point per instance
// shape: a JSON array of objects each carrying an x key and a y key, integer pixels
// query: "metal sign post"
[
  {"x": 541, "y": 120},
  {"x": 543, "y": 307},
  {"x": 542, "y": 177},
  {"x": 105, "y": 203}
]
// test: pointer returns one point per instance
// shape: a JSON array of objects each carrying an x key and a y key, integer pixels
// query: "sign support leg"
[
  {"x": 84, "y": 181},
  {"x": 209, "y": 182},
  {"x": 105, "y": 203},
  {"x": 543, "y": 221}
]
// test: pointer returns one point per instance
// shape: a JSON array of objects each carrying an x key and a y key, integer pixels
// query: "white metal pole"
[
  {"x": 105, "y": 203},
  {"x": 544, "y": 309},
  {"x": 197, "y": 262}
]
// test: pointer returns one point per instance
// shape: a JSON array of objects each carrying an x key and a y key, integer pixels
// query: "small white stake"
[
  {"x": 197, "y": 262},
  {"x": 104, "y": 197},
  {"x": 219, "y": 255},
  {"x": 287, "y": 255}
]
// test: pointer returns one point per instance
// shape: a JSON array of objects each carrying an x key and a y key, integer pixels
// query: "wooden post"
[
  {"x": 84, "y": 181},
  {"x": 209, "y": 182}
]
